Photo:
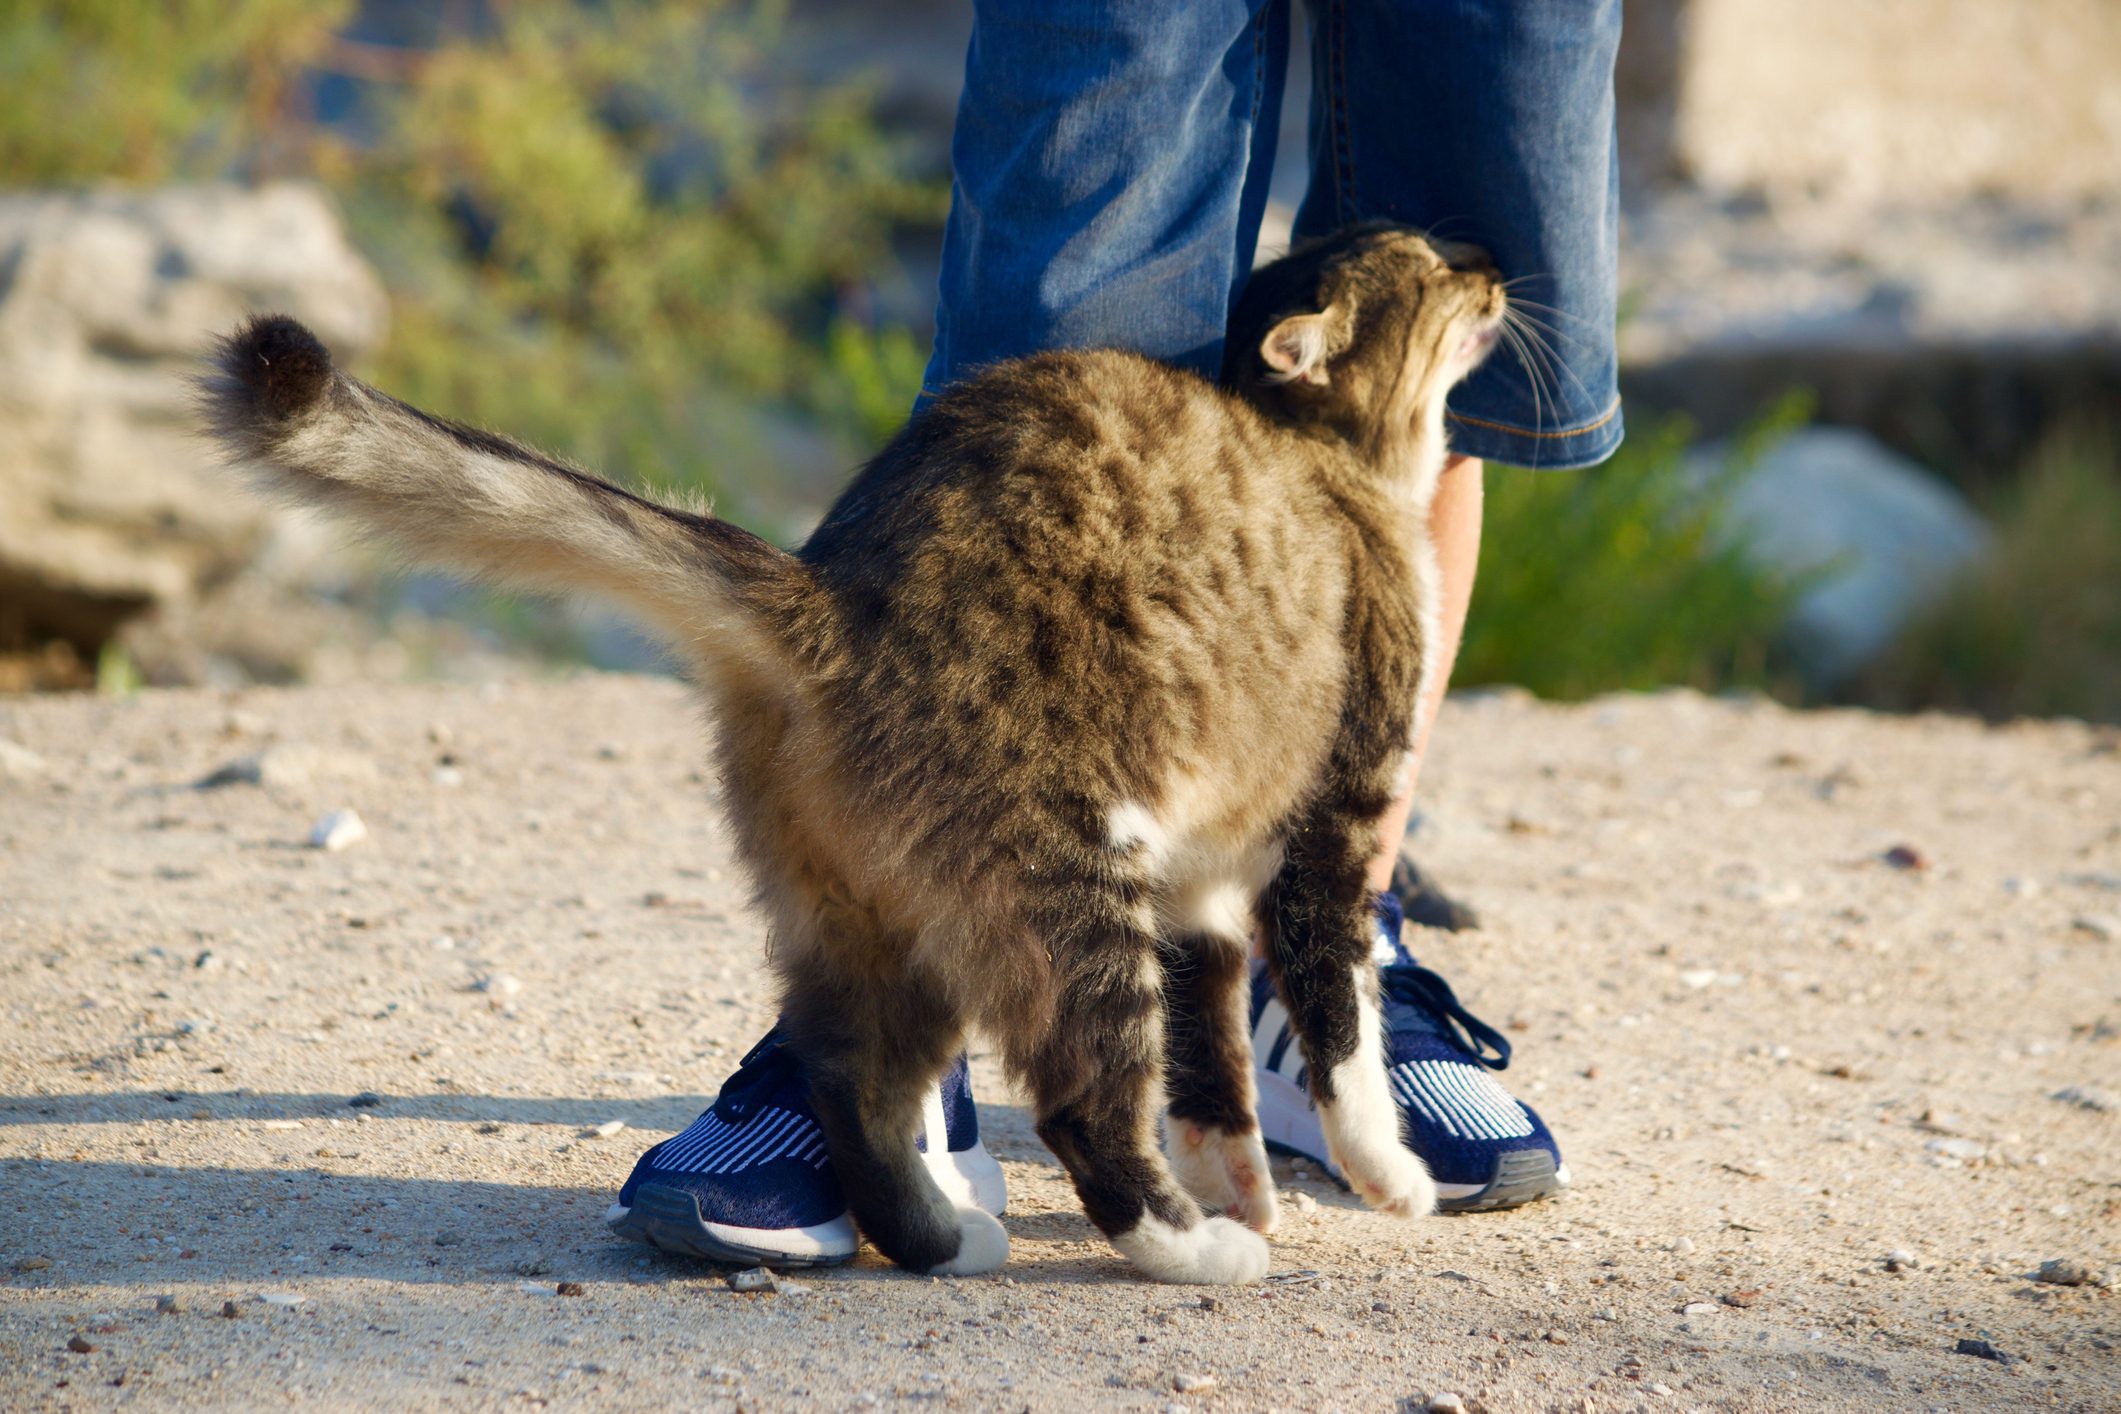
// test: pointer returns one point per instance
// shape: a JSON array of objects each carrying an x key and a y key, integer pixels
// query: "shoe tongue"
[
  {"x": 764, "y": 1070},
  {"x": 1386, "y": 949}
]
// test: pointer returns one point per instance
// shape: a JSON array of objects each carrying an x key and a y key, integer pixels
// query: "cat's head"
[{"x": 1366, "y": 330}]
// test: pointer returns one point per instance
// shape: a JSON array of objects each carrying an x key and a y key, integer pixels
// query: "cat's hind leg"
[
  {"x": 874, "y": 1049},
  {"x": 1095, "y": 1078},
  {"x": 1211, "y": 1130}
]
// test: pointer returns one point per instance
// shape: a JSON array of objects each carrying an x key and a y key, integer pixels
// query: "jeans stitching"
[
  {"x": 1343, "y": 137},
  {"x": 1605, "y": 417},
  {"x": 1259, "y": 67}
]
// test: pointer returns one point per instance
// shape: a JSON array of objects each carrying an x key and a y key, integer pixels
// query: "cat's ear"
[{"x": 1296, "y": 350}]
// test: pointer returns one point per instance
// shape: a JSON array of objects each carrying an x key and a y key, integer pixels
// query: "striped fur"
[{"x": 1093, "y": 671}]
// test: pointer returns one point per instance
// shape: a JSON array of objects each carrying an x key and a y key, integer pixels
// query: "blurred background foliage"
[
  {"x": 602, "y": 228},
  {"x": 622, "y": 231},
  {"x": 2036, "y": 630}
]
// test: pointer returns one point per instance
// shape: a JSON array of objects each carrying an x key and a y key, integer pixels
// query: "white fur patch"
[
  {"x": 1223, "y": 911},
  {"x": 982, "y": 1245},
  {"x": 1226, "y": 1173},
  {"x": 1362, "y": 1123},
  {"x": 1131, "y": 825},
  {"x": 1213, "y": 1252}
]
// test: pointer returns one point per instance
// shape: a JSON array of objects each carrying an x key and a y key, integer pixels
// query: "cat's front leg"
[
  {"x": 1319, "y": 918},
  {"x": 1360, "y": 1118}
]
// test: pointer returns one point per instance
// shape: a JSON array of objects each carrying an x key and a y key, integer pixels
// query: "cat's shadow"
[{"x": 241, "y": 1226}]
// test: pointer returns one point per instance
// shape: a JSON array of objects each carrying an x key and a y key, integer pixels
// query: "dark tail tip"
[{"x": 285, "y": 368}]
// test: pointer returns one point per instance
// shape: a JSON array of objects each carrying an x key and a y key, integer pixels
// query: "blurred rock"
[
  {"x": 111, "y": 510},
  {"x": 1887, "y": 538}
]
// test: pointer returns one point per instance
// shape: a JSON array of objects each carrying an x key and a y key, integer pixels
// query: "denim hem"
[{"x": 1564, "y": 449}]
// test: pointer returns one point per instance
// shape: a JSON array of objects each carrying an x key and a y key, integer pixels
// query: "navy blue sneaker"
[
  {"x": 1484, "y": 1147},
  {"x": 750, "y": 1182}
]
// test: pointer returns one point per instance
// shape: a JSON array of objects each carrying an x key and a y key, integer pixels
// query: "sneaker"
[
  {"x": 750, "y": 1182},
  {"x": 1484, "y": 1147}
]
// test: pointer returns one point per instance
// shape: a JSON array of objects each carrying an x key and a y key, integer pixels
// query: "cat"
[{"x": 1096, "y": 669}]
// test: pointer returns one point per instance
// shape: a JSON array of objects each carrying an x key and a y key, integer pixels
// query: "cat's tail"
[{"x": 479, "y": 504}]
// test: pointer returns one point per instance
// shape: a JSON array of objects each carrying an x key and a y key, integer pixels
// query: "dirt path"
[{"x": 1733, "y": 1010}]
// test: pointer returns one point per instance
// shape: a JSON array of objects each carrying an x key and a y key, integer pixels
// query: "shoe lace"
[
  {"x": 1416, "y": 986},
  {"x": 763, "y": 1070}
]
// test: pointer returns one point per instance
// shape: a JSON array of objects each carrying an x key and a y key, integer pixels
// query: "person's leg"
[
  {"x": 1454, "y": 528},
  {"x": 1490, "y": 122},
  {"x": 1110, "y": 173}
]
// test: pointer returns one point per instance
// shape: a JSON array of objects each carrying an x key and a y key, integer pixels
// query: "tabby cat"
[{"x": 1097, "y": 670}]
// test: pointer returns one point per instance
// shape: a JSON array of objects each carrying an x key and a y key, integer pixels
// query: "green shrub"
[
  {"x": 601, "y": 226},
  {"x": 1613, "y": 578},
  {"x": 2035, "y": 630}
]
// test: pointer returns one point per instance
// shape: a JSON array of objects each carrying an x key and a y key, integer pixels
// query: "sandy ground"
[{"x": 1772, "y": 1056}]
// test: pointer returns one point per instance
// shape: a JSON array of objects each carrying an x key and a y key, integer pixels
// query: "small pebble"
[
  {"x": 1303, "y": 1202},
  {"x": 1193, "y": 1384},
  {"x": 751, "y": 1279},
  {"x": 80, "y": 1345},
  {"x": 339, "y": 830},
  {"x": 1900, "y": 1260},
  {"x": 282, "y": 1298},
  {"x": 33, "y": 1264},
  {"x": 2106, "y": 927},
  {"x": 1982, "y": 1350},
  {"x": 366, "y": 1100},
  {"x": 533, "y": 1267},
  {"x": 1906, "y": 856},
  {"x": 1680, "y": 1245},
  {"x": 451, "y": 1238},
  {"x": 605, "y": 1130},
  {"x": 1742, "y": 1299},
  {"x": 169, "y": 1305},
  {"x": 2090, "y": 1097},
  {"x": 1210, "y": 1303},
  {"x": 19, "y": 763},
  {"x": 1445, "y": 1404},
  {"x": 570, "y": 1288},
  {"x": 534, "y": 1288},
  {"x": 230, "y": 1310},
  {"x": 1966, "y": 1151},
  {"x": 2063, "y": 1271},
  {"x": 1698, "y": 1308}
]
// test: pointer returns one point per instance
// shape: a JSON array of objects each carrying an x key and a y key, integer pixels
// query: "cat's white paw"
[
  {"x": 1212, "y": 1252},
  {"x": 1227, "y": 1173},
  {"x": 1384, "y": 1172},
  {"x": 982, "y": 1245}
]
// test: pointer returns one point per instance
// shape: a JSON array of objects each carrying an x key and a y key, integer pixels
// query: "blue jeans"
[{"x": 1111, "y": 163}]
